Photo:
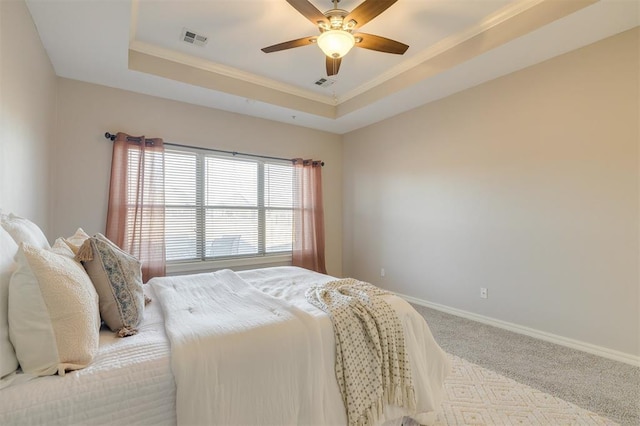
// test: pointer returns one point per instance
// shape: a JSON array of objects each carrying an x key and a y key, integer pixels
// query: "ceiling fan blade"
[
  {"x": 308, "y": 10},
  {"x": 381, "y": 44},
  {"x": 368, "y": 10},
  {"x": 290, "y": 44},
  {"x": 333, "y": 65}
]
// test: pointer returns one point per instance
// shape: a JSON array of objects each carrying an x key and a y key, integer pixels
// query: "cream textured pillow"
[
  {"x": 61, "y": 247},
  {"x": 24, "y": 231},
  {"x": 76, "y": 240},
  {"x": 8, "y": 250},
  {"x": 54, "y": 321},
  {"x": 117, "y": 278}
]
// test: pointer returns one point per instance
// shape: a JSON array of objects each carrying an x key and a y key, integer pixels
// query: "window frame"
[{"x": 238, "y": 261}]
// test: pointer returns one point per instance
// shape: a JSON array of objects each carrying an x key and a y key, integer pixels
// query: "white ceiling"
[{"x": 97, "y": 41}]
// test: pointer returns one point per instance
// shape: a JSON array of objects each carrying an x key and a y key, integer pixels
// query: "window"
[{"x": 220, "y": 206}]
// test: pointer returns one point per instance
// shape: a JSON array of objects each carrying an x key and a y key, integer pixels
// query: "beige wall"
[
  {"x": 82, "y": 156},
  {"x": 27, "y": 115},
  {"x": 526, "y": 185}
]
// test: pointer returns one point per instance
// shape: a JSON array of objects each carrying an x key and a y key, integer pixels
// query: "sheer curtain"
[
  {"x": 308, "y": 216},
  {"x": 135, "y": 217}
]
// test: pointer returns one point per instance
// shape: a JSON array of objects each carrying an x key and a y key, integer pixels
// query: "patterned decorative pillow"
[
  {"x": 117, "y": 278},
  {"x": 54, "y": 322}
]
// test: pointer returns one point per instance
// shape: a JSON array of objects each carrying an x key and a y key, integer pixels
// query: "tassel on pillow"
[
  {"x": 85, "y": 253},
  {"x": 126, "y": 332}
]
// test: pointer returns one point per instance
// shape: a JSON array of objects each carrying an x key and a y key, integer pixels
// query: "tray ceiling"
[{"x": 137, "y": 45}]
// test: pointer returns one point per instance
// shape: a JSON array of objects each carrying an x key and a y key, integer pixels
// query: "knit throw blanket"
[{"x": 372, "y": 366}]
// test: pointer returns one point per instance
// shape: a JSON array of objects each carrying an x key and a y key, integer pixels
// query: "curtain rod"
[{"x": 112, "y": 137}]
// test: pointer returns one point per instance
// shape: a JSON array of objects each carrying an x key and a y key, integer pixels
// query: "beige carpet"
[
  {"x": 600, "y": 385},
  {"x": 477, "y": 396}
]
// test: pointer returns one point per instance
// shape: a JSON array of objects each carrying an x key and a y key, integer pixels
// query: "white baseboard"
[{"x": 542, "y": 335}]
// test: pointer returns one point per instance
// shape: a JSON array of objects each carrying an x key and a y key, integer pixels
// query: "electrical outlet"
[
  {"x": 382, "y": 272},
  {"x": 483, "y": 293}
]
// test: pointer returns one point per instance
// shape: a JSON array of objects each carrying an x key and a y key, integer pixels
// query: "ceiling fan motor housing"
[{"x": 336, "y": 21}]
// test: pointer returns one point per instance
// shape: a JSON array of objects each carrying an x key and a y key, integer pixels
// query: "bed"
[{"x": 134, "y": 380}]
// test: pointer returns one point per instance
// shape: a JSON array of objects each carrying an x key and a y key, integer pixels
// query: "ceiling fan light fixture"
[{"x": 336, "y": 43}]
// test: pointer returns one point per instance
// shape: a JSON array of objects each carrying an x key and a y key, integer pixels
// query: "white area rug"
[{"x": 477, "y": 396}]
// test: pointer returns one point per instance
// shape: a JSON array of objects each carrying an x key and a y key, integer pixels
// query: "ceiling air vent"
[
  {"x": 192, "y": 37},
  {"x": 324, "y": 82}
]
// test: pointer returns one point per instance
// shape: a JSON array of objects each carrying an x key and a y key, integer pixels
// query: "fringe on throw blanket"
[{"x": 372, "y": 365}]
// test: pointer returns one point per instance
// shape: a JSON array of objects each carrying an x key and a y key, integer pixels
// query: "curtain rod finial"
[{"x": 110, "y": 136}]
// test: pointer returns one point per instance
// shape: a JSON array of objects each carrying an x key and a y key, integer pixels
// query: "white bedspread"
[
  {"x": 240, "y": 356},
  {"x": 254, "y": 351},
  {"x": 129, "y": 382}
]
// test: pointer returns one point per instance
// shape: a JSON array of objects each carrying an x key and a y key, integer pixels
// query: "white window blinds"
[{"x": 220, "y": 206}]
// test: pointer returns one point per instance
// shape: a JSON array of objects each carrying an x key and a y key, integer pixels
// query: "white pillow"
[
  {"x": 24, "y": 231},
  {"x": 54, "y": 320},
  {"x": 8, "y": 249}
]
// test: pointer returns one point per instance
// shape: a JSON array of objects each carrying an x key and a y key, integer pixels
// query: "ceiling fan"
[{"x": 336, "y": 28}]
